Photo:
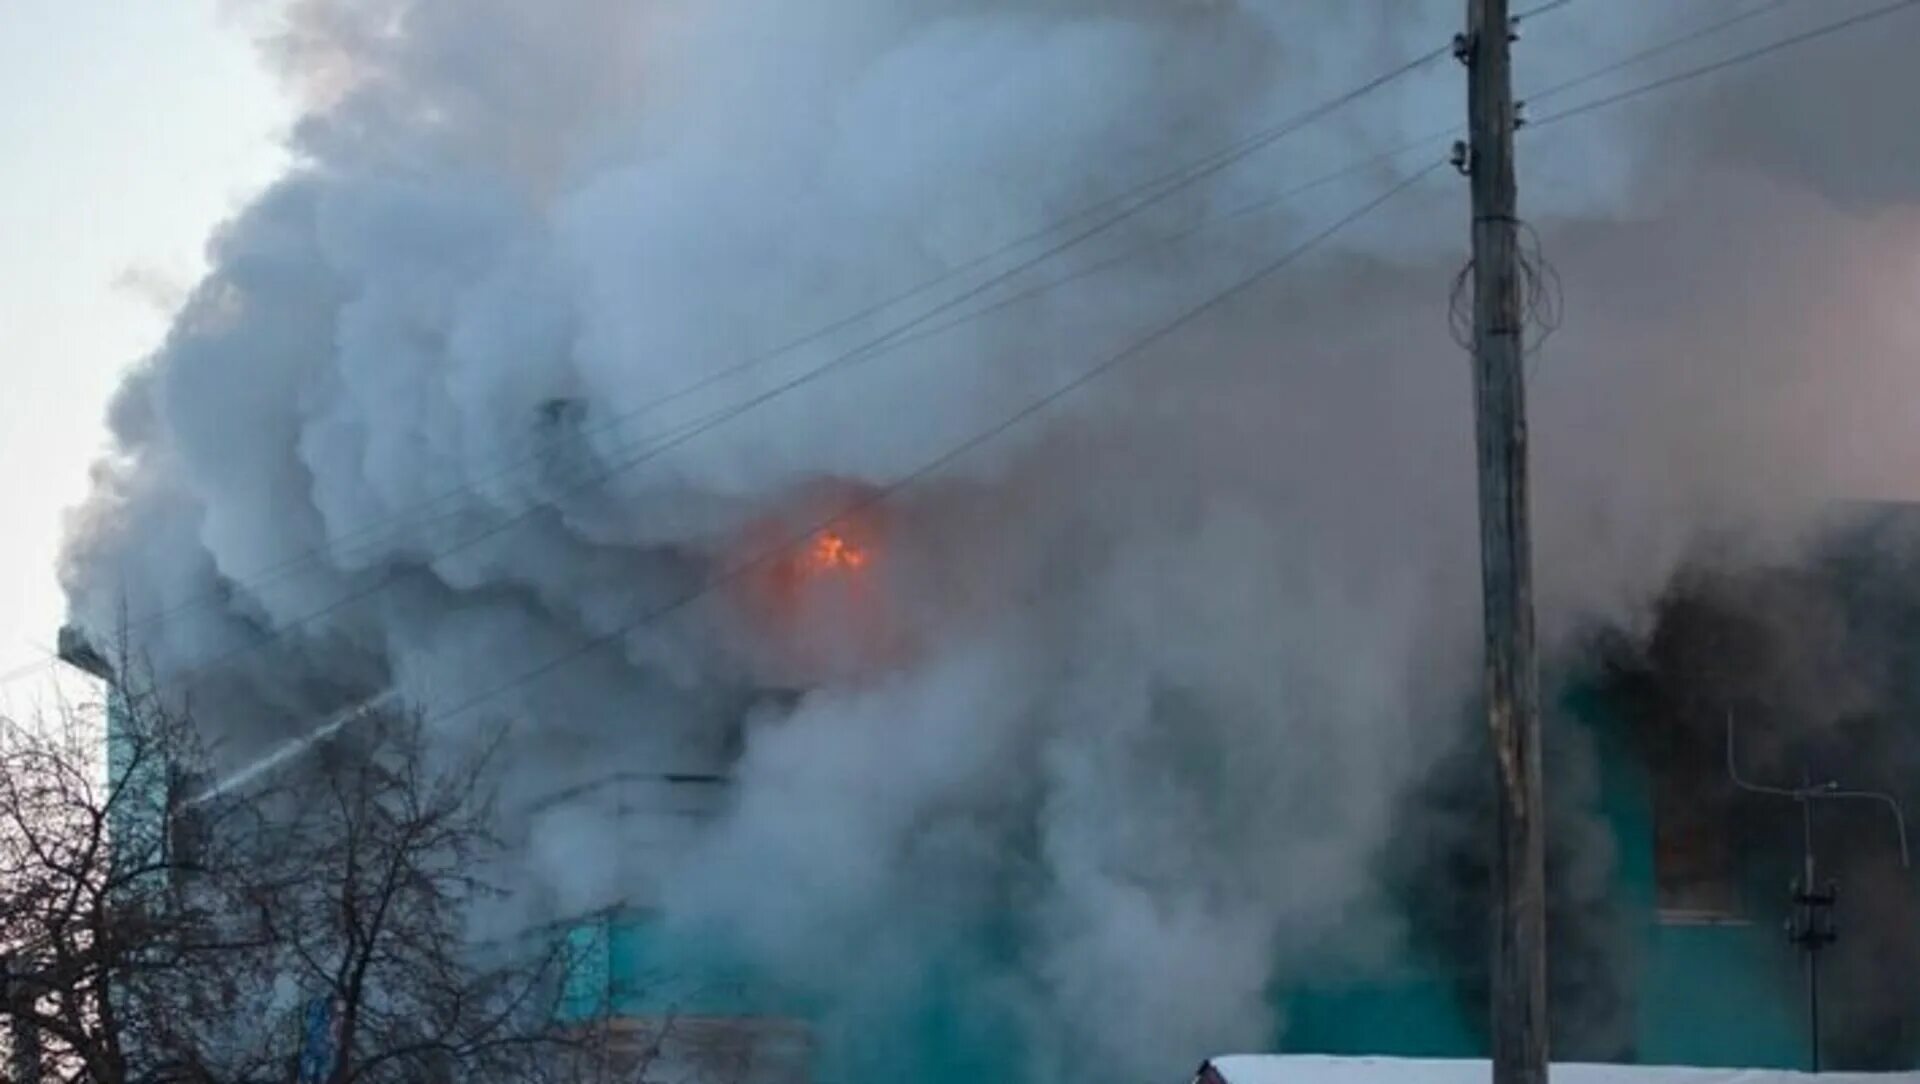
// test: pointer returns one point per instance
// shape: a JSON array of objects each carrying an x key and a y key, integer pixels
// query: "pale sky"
[{"x": 128, "y": 130}]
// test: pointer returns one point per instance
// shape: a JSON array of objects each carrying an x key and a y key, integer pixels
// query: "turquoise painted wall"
[
  {"x": 630, "y": 963},
  {"x": 137, "y": 819},
  {"x": 1414, "y": 1014},
  {"x": 1722, "y": 995},
  {"x": 1704, "y": 995},
  {"x": 945, "y": 1028}
]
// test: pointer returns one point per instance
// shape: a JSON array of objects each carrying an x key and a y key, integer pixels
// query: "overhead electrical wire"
[
  {"x": 978, "y": 440},
  {"x": 1540, "y": 9},
  {"x": 1255, "y": 206},
  {"x": 1142, "y": 198},
  {"x": 1620, "y": 64},
  {"x": 537, "y": 673},
  {"x": 1216, "y": 162},
  {"x": 1145, "y": 194},
  {"x": 799, "y": 539},
  {"x": 1659, "y": 49},
  {"x": 1129, "y": 204},
  {"x": 1690, "y": 74},
  {"x": 653, "y": 450}
]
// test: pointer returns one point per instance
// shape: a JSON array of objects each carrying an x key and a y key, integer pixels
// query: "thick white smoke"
[{"x": 1159, "y": 664}]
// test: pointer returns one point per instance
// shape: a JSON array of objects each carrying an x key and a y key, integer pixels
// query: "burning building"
[
  {"x": 1669, "y": 879},
  {"x": 1670, "y": 871},
  {"x": 1677, "y": 879},
  {"x": 724, "y": 399}
]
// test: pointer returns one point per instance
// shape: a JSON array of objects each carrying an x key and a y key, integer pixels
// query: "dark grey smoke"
[
  {"x": 1439, "y": 865},
  {"x": 1815, "y": 661}
]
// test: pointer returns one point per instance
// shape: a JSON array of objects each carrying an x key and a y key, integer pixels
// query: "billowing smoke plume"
[{"x": 1104, "y": 727}]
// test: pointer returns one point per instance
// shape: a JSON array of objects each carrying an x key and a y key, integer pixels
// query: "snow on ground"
[{"x": 1306, "y": 1069}]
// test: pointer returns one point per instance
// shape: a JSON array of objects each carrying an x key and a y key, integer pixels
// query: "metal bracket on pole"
[
  {"x": 1829, "y": 790},
  {"x": 1463, "y": 49},
  {"x": 1459, "y": 158},
  {"x": 1812, "y": 928}
]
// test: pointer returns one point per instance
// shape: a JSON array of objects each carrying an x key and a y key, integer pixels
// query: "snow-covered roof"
[{"x": 1311, "y": 1069}]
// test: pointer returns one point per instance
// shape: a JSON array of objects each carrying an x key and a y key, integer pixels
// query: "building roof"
[
  {"x": 77, "y": 651},
  {"x": 1314, "y": 1069}
]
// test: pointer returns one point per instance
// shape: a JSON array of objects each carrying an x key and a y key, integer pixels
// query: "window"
[{"x": 1693, "y": 841}]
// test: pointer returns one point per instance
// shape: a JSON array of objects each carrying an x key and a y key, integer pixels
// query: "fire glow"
[
  {"x": 832, "y": 552},
  {"x": 818, "y": 608}
]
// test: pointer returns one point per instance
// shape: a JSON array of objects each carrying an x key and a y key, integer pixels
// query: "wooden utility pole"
[{"x": 1519, "y": 1007}]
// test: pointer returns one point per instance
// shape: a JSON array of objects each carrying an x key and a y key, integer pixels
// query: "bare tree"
[
  {"x": 117, "y": 938},
  {"x": 373, "y": 860},
  {"x": 306, "y": 919},
  {"x": 308, "y": 924}
]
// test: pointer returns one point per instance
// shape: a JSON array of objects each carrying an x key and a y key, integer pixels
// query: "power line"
[
  {"x": 1133, "y": 350},
  {"x": 1690, "y": 74},
  {"x": 1541, "y": 9},
  {"x": 894, "y": 338},
  {"x": 1080, "y": 381},
  {"x": 956, "y": 452},
  {"x": 1652, "y": 51},
  {"x": 1131, "y": 203},
  {"x": 661, "y": 443},
  {"x": 1255, "y": 206},
  {"x": 1181, "y": 179},
  {"x": 667, "y": 443}
]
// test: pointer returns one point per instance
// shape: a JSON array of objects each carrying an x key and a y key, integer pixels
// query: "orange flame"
[
  {"x": 817, "y": 606},
  {"x": 832, "y": 551}
]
